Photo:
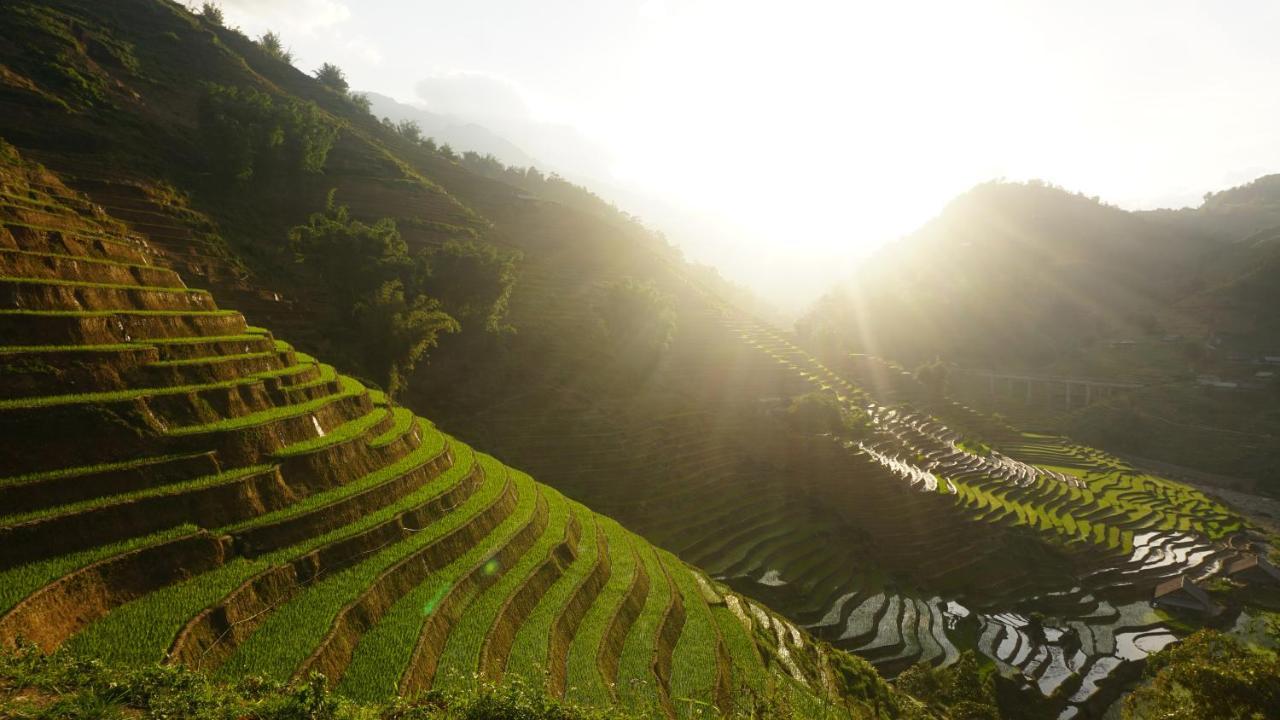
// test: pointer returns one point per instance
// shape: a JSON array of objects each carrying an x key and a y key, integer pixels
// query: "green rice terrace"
[
  {"x": 1123, "y": 532},
  {"x": 244, "y": 509}
]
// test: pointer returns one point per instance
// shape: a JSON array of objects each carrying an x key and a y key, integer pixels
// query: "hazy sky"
[{"x": 817, "y": 131}]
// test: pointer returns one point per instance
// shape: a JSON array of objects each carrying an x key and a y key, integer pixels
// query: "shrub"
[
  {"x": 212, "y": 12},
  {"x": 376, "y": 286},
  {"x": 272, "y": 45},
  {"x": 474, "y": 281},
  {"x": 397, "y": 331},
  {"x": 331, "y": 76},
  {"x": 637, "y": 318},
  {"x": 1208, "y": 676},
  {"x": 249, "y": 134}
]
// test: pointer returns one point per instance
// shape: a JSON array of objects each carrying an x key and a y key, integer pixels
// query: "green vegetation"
[
  {"x": 474, "y": 282},
  {"x": 401, "y": 303},
  {"x": 332, "y": 77},
  {"x": 586, "y": 684},
  {"x": 380, "y": 286},
  {"x": 273, "y": 46},
  {"x": 251, "y": 134},
  {"x": 292, "y": 631},
  {"x": 17, "y": 583},
  {"x": 638, "y": 319},
  {"x": 461, "y": 656},
  {"x": 76, "y": 687},
  {"x": 1208, "y": 676}
]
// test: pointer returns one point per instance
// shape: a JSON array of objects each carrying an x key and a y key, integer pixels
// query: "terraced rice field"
[
  {"x": 1124, "y": 529},
  {"x": 204, "y": 494},
  {"x": 929, "y": 514}
]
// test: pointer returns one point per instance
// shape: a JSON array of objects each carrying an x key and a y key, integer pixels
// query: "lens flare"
[{"x": 434, "y": 602}]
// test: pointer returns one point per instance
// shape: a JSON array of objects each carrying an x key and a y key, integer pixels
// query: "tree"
[
  {"x": 639, "y": 321},
  {"x": 331, "y": 76},
  {"x": 354, "y": 258},
  {"x": 1208, "y": 676},
  {"x": 250, "y": 134},
  {"x": 474, "y": 281},
  {"x": 395, "y": 305},
  {"x": 396, "y": 331},
  {"x": 274, "y": 46},
  {"x": 409, "y": 130},
  {"x": 212, "y": 12},
  {"x": 362, "y": 103}
]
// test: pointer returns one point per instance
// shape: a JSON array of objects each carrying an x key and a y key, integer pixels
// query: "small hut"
[
  {"x": 1254, "y": 570},
  {"x": 1181, "y": 593}
]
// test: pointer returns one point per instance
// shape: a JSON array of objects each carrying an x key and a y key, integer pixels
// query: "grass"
[
  {"x": 401, "y": 421},
  {"x": 19, "y": 582},
  {"x": 176, "y": 488},
  {"x": 141, "y": 631},
  {"x": 211, "y": 359},
  {"x": 79, "y": 259},
  {"x": 290, "y": 634},
  {"x": 101, "y": 398},
  {"x": 694, "y": 663},
  {"x": 91, "y": 469},
  {"x": 100, "y": 286},
  {"x": 748, "y": 666},
  {"x": 584, "y": 681},
  {"x": 348, "y": 388},
  {"x": 114, "y": 313},
  {"x": 529, "y": 656},
  {"x": 461, "y": 654},
  {"x": 636, "y": 685},
  {"x": 383, "y": 653},
  {"x": 111, "y": 347},
  {"x": 433, "y": 442},
  {"x": 349, "y": 430},
  {"x": 74, "y": 685}
]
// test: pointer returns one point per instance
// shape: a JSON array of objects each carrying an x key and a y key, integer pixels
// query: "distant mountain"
[
  {"x": 459, "y": 133},
  {"x": 1016, "y": 275}
]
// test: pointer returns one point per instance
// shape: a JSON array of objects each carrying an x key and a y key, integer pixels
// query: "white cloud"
[
  {"x": 302, "y": 17},
  {"x": 365, "y": 48}
]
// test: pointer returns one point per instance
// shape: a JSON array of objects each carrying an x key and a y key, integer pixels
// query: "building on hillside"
[
  {"x": 1181, "y": 593},
  {"x": 1254, "y": 570}
]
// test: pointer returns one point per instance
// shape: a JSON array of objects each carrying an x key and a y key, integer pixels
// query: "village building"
[
  {"x": 1254, "y": 570},
  {"x": 1181, "y": 593}
]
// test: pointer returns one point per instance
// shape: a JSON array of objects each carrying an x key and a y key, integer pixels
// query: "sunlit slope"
[
  {"x": 182, "y": 487},
  {"x": 1112, "y": 532}
]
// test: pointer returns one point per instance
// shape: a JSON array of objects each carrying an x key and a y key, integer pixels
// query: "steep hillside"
[{"x": 182, "y": 487}]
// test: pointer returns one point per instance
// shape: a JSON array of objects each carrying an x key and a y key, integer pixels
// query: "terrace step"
[
  {"x": 65, "y": 295},
  {"x": 24, "y": 494},
  {"x": 80, "y": 269}
]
